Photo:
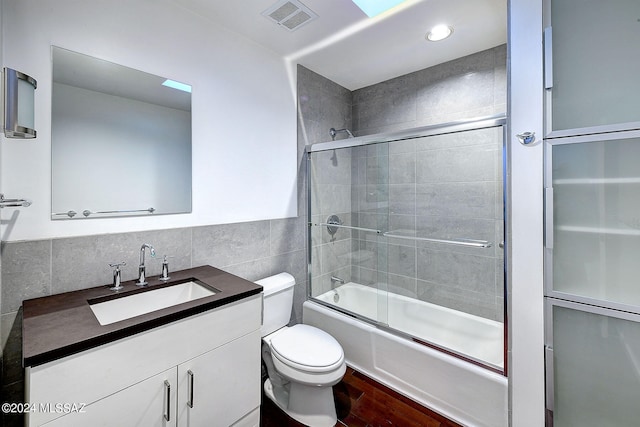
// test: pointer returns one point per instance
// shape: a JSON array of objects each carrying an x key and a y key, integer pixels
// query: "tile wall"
[{"x": 363, "y": 190}]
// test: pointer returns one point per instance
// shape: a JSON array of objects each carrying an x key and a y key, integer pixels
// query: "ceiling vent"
[{"x": 290, "y": 14}]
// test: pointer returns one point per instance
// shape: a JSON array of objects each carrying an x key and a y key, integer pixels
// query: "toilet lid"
[{"x": 307, "y": 346}]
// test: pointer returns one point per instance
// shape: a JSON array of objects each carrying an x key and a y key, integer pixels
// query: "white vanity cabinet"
[{"x": 203, "y": 370}]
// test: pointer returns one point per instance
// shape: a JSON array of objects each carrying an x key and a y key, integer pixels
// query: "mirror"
[{"x": 120, "y": 140}]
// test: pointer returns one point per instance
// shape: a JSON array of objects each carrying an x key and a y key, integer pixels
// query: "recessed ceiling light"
[
  {"x": 439, "y": 32},
  {"x": 376, "y": 7}
]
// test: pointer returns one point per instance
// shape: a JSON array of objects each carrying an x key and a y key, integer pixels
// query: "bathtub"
[{"x": 460, "y": 390}]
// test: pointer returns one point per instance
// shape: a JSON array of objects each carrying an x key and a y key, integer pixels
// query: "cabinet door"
[
  {"x": 596, "y": 220},
  {"x": 145, "y": 404},
  {"x": 221, "y": 386},
  {"x": 596, "y": 352},
  {"x": 595, "y": 64}
]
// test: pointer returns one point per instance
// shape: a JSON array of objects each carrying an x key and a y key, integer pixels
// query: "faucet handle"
[
  {"x": 117, "y": 277},
  {"x": 165, "y": 268}
]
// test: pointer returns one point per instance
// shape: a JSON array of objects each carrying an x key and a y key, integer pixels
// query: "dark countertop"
[{"x": 60, "y": 325}]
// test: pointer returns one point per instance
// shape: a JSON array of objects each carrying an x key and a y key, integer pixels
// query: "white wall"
[{"x": 244, "y": 129}]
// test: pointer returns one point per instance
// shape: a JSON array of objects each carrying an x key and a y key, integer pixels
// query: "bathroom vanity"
[{"x": 196, "y": 363}]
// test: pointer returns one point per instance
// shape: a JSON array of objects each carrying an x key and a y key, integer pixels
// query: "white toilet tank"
[{"x": 278, "y": 301}]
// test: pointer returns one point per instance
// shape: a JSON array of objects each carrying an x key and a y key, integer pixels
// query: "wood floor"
[{"x": 363, "y": 402}]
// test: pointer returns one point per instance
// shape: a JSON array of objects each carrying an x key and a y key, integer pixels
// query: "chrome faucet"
[
  {"x": 142, "y": 280},
  {"x": 117, "y": 275},
  {"x": 335, "y": 279}
]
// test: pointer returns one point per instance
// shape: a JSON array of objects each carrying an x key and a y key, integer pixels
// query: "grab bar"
[
  {"x": 459, "y": 242},
  {"x": 370, "y": 230},
  {"x": 14, "y": 203}
]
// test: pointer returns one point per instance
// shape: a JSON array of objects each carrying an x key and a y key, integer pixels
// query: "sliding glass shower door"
[{"x": 407, "y": 232}]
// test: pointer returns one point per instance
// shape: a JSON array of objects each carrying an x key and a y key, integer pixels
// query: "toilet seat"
[{"x": 307, "y": 349}]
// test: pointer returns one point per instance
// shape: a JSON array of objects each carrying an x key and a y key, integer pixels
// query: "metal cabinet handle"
[
  {"x": 191, "y": 377},
  {"x": 167, "y": 389}
]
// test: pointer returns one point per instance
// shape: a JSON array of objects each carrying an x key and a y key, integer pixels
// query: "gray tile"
[
  {"x": 377, "y": 170},
  {"x": 474, "y": 63},
  {"x": 455, "y": 270},
  {"x": 314, "y": 81},
  {"x": 385, "y": 89},
  {"x": 287, "y": 235},
  {"x": 402, "y": 199},
  {"x": 228, "y": 244},
  {"x": 12, "y": 370},
  {"x": 401, "y": 260},
  {"x": 397, "y": 107},
  {"x": 335, "y": 255},
  {"x": 472, "y": 138},
  {"x": 175, "y": 243},
  {"x": 462, "y": 164},
  {"x": 330, "y": 198},
  {"x": 293, "y": 263},
  {"x": 465, "y": 301},
  {"x": 403, "y": 224},
  {"x": 402, "y": 168},
  {"x": 452, "y": 116},
  {"x": 401, "y": 147},
  {"x": 26, "y": 272},
  {"x": 500, "y": 73},
  {"x": 456, "y": 93},
  {"x": 371, "y": 221},
  {"x": 331, "y": 167},
  {"x": 402, "y": 285},
  {"x": 299, "y": 297},
  {"x": 465, "y": 200},
  {"x": 366, "y": 254},
  {"x": 83, "y": 262}
]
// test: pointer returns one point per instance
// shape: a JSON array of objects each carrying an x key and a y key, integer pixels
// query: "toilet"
[{"x": 303, "y": 362}]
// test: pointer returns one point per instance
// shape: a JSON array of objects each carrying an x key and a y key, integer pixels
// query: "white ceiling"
[{"x": 346, "y": 46}]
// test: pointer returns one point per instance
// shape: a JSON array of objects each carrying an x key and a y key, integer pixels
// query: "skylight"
[
  {"x": 177, "y": 85},
  {"x": 376, "y": 7}
]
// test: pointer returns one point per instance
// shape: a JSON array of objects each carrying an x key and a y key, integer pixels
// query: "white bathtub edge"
[{"x": 461, "y": 391}]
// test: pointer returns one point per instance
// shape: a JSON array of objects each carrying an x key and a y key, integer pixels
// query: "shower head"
[{"x": 333, "y": 132}]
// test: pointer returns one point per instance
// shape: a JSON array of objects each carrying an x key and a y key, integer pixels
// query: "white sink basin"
[{"x": 123, "y": 308}]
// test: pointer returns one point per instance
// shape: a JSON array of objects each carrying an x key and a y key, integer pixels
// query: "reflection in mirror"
[{"x": 120, "y": 140}]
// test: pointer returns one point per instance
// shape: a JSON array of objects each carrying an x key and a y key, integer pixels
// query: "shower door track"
[{"x": 419, "y": 132}]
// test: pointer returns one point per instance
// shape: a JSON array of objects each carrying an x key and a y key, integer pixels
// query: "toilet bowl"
[{"x": 303, "y": 362}]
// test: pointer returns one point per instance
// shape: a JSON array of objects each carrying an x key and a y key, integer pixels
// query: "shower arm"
[{"x": 333, "y": 132}]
